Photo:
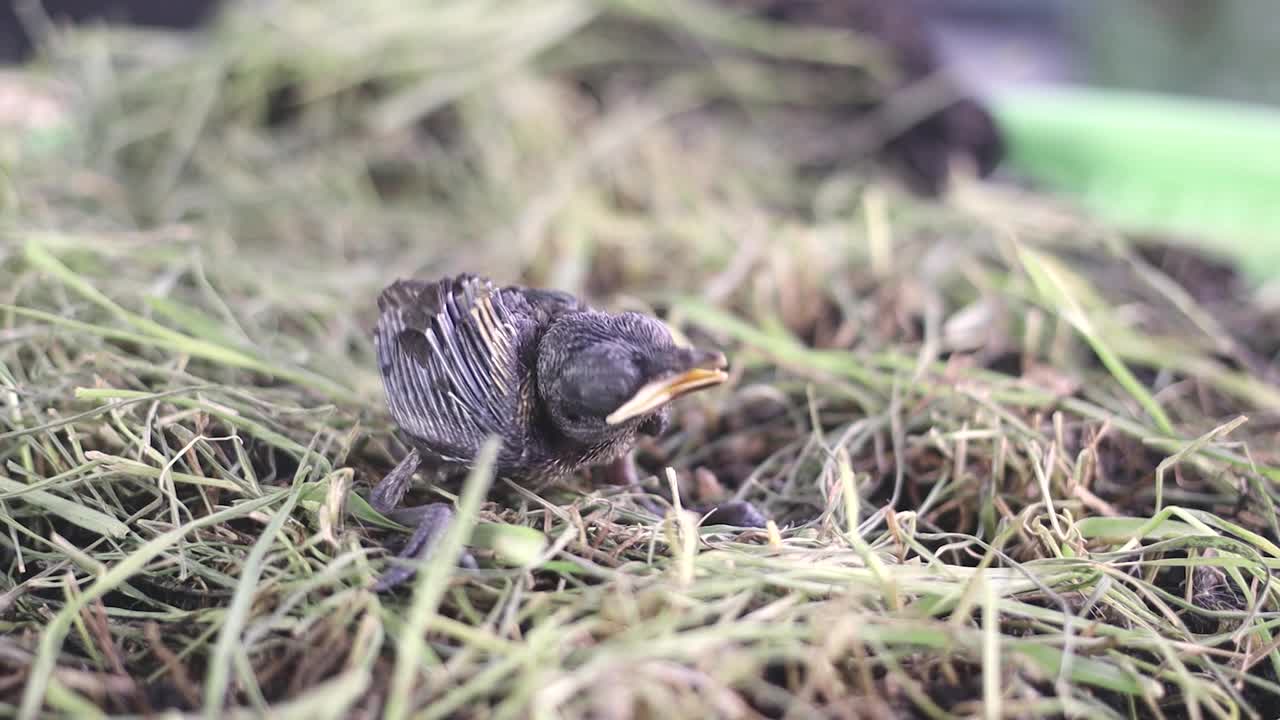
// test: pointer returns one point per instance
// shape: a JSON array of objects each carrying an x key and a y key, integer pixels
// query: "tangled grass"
[{"x": 1019, "y": 465}]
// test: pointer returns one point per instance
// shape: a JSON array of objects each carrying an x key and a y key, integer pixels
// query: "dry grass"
[{"x": 1005, "y": 450}]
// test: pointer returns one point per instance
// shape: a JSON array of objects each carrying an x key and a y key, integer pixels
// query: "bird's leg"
[
  {"x": 388, "y": 494},
  {"x": 737, "y": 513},
  {"x": 429, "y": 521},
  {"x": 623, "y": 472}
]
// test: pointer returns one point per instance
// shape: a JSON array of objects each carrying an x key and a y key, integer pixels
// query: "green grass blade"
[
  {"x": 53, "y": 635},
  {"x": 228, "y": 644},
  {"x": 1059, "y": 287},
  {"x": 71, "y": 511},
  {"x": 432, "y": 582}
]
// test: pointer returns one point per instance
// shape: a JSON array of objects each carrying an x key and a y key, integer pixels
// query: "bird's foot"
[
  {"x": 430, "y": 524},
  {"x": 429, "y": 521}
]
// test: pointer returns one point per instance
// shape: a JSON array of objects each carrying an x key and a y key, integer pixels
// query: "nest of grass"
[{"x": 1018, "y": 464}]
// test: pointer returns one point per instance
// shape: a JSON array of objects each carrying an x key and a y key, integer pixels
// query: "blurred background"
[
  {"x": 1223, "y": 49},
  {"x": 1156, "y": 115}
]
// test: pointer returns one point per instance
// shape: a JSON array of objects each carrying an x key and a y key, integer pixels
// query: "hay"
[{"x": 1000, "y": 443}]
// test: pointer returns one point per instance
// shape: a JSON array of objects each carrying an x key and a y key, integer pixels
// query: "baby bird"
[{"x": 563, "y": 386}]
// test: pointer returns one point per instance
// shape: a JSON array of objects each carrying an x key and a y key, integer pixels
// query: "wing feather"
[{"x": 450, "y": 356}]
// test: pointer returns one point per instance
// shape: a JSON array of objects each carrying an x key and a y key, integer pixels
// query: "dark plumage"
[{"x": 562, "y": 385}]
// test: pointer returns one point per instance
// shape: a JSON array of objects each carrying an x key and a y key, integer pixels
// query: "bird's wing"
[{"x": 450, "y": 356}]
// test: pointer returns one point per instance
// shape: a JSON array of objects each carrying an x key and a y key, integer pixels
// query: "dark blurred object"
[
  {"x": 17, "y": 44},
  {"x": 1215, "y": 284},
  {"x": 923, "y": 152},
  {"x": 826, "y": 101},
  {"x": 1207, "y": 279}
]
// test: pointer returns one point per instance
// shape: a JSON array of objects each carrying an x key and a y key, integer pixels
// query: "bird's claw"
[
  {"x": 432, "y": 521},
  {"x": 429, "y": 522}
]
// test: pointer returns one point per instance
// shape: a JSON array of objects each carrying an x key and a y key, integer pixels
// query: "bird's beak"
[{"x": 707, "y": 369}]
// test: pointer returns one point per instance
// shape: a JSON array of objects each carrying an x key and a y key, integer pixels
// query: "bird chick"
[{"x": 562, "y": 385}]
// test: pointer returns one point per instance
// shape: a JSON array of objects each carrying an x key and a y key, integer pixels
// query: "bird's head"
[{"x": 600, "y": 375}]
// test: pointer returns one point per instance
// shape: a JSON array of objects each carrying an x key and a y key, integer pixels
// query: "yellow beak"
[{"x": 654, "y": 395}]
